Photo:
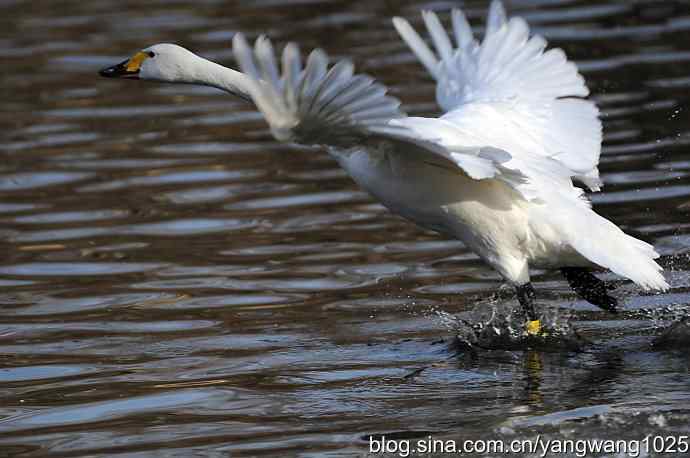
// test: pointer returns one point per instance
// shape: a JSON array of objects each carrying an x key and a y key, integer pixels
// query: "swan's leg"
[
  {"x": 526, "y": 297},
  {"x": 516, "y": 270},
  {"x": 590, "y": 288}
]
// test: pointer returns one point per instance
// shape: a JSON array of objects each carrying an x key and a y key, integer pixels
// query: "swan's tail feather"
[
  {"x": 605, "y": 244},
  {"x": 316, "y": 104}
]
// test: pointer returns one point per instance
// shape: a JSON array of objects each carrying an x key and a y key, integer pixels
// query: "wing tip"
[
  {"x": 417, "y": 45},
  {"x": 400, "y": 23},
  {"x": 496, "y": 17}
]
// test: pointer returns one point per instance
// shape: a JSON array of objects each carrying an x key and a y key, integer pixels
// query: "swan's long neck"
[{"x": 215, "y": 75}]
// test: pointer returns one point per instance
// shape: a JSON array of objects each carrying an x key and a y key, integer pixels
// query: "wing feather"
[
  {"x": 417, "y": 45},
  {"x": 438, "y": 35},
  {"x": 534, "y": 93},
  {"x": 496, "y": 19},
  {"x": 462, "y": 31},
  {"x": 314, "y": 104},
  {"x": 334, "y": 106}
]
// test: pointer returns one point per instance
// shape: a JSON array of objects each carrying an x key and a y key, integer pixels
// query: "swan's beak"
[{"x": 125, "y": 69}]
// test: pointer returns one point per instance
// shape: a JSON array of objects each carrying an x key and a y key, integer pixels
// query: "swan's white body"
[
  {"x": 487, "y": 215},
  {"x": 495, "y": 171}
]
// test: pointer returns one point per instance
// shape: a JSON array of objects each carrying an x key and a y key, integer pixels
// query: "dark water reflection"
[{"x": 175, "y": 283}]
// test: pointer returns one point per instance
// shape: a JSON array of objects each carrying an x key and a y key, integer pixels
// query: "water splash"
[{"x": 501, "y": 325}]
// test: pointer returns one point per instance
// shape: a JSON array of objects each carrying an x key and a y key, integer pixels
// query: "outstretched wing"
[
  {"x": 336, "y": 107},
  {"x": 315, "y": 104},
  {"x": 511, "y": 92}
]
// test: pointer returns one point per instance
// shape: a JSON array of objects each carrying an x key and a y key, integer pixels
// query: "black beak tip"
[
  {"x": 108, "y": 72},
  {"x": 118, "y": 71}
]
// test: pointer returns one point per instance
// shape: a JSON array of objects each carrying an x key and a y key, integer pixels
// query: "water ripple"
[{"x": 176, "y": 283}]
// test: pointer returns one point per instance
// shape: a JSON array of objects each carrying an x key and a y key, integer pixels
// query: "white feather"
[
  {"x": 510, "y": 70},
  {"x": 496, "y": 18},
  {"x": 317, "y": 104}
]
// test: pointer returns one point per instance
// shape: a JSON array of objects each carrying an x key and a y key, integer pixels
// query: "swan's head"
[{"x": 161, "y": 62}]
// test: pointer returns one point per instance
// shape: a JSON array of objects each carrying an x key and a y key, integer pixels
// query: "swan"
[{"x": 496, "y": 170}]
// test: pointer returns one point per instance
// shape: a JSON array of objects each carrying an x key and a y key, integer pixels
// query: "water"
[{"x": 174, "y": 283}]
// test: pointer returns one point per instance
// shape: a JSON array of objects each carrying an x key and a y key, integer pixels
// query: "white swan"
[{"x": 495, "y": 171}]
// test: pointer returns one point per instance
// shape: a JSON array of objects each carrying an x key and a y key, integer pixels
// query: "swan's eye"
[{"x": 151, "y": 54}]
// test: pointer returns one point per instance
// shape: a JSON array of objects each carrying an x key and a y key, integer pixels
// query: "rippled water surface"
[{"x": 173, "y": 282}]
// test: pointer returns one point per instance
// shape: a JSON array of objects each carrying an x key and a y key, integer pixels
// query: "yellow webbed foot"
[{"x": 533, "y": 327}]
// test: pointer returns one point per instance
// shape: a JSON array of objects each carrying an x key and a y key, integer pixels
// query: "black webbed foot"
[{"x": 590, "y": 288}]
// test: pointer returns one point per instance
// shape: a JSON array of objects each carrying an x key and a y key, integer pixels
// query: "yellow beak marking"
[{"x": 135, "y": 62}]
